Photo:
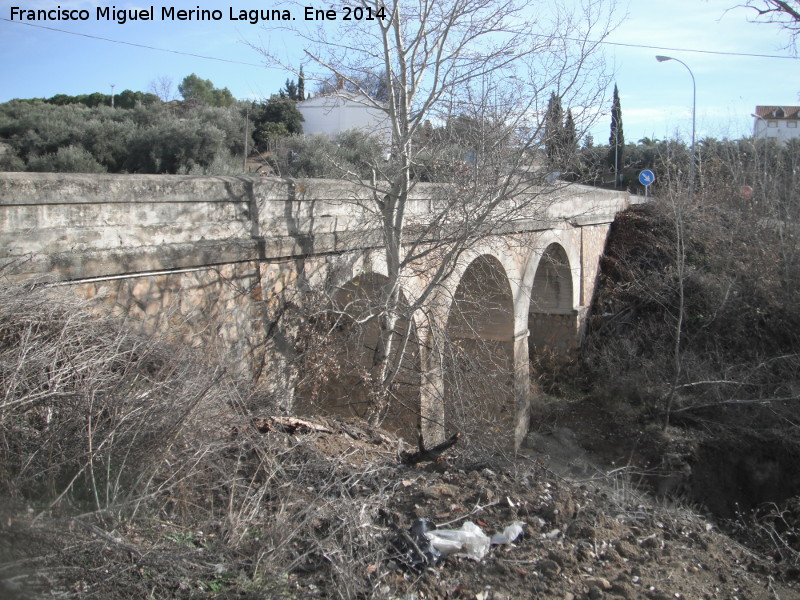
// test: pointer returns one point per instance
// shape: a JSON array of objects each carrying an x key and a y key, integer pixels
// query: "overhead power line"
[
  {"x": 696, "y": 51},
  {"x": 104, "y": 39},
  {"x": 239, "y": 62}
]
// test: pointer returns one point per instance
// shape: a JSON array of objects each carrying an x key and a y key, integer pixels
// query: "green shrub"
[
  {"x": 144, "y": 139},
  {"x": 173, "y": 146},
  {"x": 268, "y": 134},
  {"x": 9, "y": 161},
  {"x": 351, "y": 153},
  {"x": 224, "y": 163},
  {"x": 69, "y": 159},
  {"x": 277, "y": 117}
]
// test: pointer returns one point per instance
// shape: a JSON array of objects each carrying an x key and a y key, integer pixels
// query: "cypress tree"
[
  {"x": 301, "y": 86},
  {"x": 570, "y": 137},
  {"x": 616, "y": 140},
  {"x": 554, "y": 131}
]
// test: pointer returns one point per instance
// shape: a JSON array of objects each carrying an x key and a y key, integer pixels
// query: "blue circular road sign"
[{"x": 647, "y": 177}]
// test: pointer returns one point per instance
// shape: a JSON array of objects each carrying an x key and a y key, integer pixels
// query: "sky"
[{"x": 656, "y": 97}]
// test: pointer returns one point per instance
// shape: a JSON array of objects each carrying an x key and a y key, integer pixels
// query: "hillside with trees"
[{"x": 202, "y": 134}]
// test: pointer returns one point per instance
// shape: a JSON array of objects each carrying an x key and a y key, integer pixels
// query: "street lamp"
[{"x": 694, "y": 110}]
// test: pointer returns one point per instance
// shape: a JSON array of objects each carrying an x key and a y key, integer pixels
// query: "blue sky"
[{"x": 656, "y": 97}]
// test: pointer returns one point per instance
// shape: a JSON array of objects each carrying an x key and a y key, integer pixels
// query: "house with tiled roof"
[{"x": 776, "y": 122}]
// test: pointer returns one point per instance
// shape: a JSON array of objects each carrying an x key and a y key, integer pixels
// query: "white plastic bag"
[
  {"x": 510, "y": 534},
  {"x": 469, "y": 541}
]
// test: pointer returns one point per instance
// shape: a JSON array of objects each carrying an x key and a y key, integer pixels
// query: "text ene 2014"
[{"x": 349, "y": 13}]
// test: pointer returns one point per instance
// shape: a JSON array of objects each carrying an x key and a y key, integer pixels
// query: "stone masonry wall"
[
  {"x": 72, "y": 226},
  {"x": 207, "y": 308},
  {"x": 593, "y": 244}
]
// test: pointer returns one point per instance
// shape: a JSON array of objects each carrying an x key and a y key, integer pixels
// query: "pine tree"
[
  {"x": 197, "y": 91},
  {"x": 616, "y": 140},
  {"x": 294, "y": 91},
  {"x": 289, "y": 90}
]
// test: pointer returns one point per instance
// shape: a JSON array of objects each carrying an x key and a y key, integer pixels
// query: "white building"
[
  {"x": 776, "y": 122},
  {"x": 333, "y": 113}
]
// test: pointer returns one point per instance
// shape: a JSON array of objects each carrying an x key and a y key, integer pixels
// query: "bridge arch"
[
  {"x": 342, "y": 339},
  {"x": 553, "y": 280},
  {"x": 478, "y": 357}
]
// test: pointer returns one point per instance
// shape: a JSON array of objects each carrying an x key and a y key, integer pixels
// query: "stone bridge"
[{"x": 206, "y": 258}]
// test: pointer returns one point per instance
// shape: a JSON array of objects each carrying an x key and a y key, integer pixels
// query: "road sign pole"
[{"x": 646, "y": 177}]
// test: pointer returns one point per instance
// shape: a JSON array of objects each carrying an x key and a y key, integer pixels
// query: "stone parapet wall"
[
  {"x": 80, "y": 226},
  {"x": 75, "y": 226}
]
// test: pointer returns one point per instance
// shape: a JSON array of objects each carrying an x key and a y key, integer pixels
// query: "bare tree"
[
  {"x": 465, "y": 87},
  {"x": 785, "y": 13},
  {"x": 163, "y": 87}
]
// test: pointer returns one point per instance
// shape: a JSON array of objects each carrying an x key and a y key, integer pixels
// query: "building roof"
[{"x": 778, "y": 112}]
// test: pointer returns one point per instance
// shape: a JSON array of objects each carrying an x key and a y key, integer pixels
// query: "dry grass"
[
  {"x": 90, "y": 410},
  {"x": 132, "y": 469},
  {"x": 108, "y": 437}
]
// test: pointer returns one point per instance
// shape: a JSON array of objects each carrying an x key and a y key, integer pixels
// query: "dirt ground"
[{"x": 589, "y": 533}]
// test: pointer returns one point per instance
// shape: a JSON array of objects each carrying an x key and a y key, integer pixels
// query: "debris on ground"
[
  {"x": 430, "y": 454},
  {"x": 467, "y": 542},
  {"x": 365, "y": 525}
]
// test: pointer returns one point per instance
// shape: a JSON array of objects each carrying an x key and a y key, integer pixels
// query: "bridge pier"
[
  {"x": 522, "y": 387},
  {"x": 432, "y": 395}
]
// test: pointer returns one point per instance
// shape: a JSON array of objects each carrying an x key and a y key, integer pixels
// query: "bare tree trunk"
[
  {"x": 381, "y": 371},
  {"x": 680, "y": 268}
]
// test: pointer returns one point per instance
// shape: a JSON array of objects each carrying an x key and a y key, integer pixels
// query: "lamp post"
[{"x": 694, "y": 110}]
